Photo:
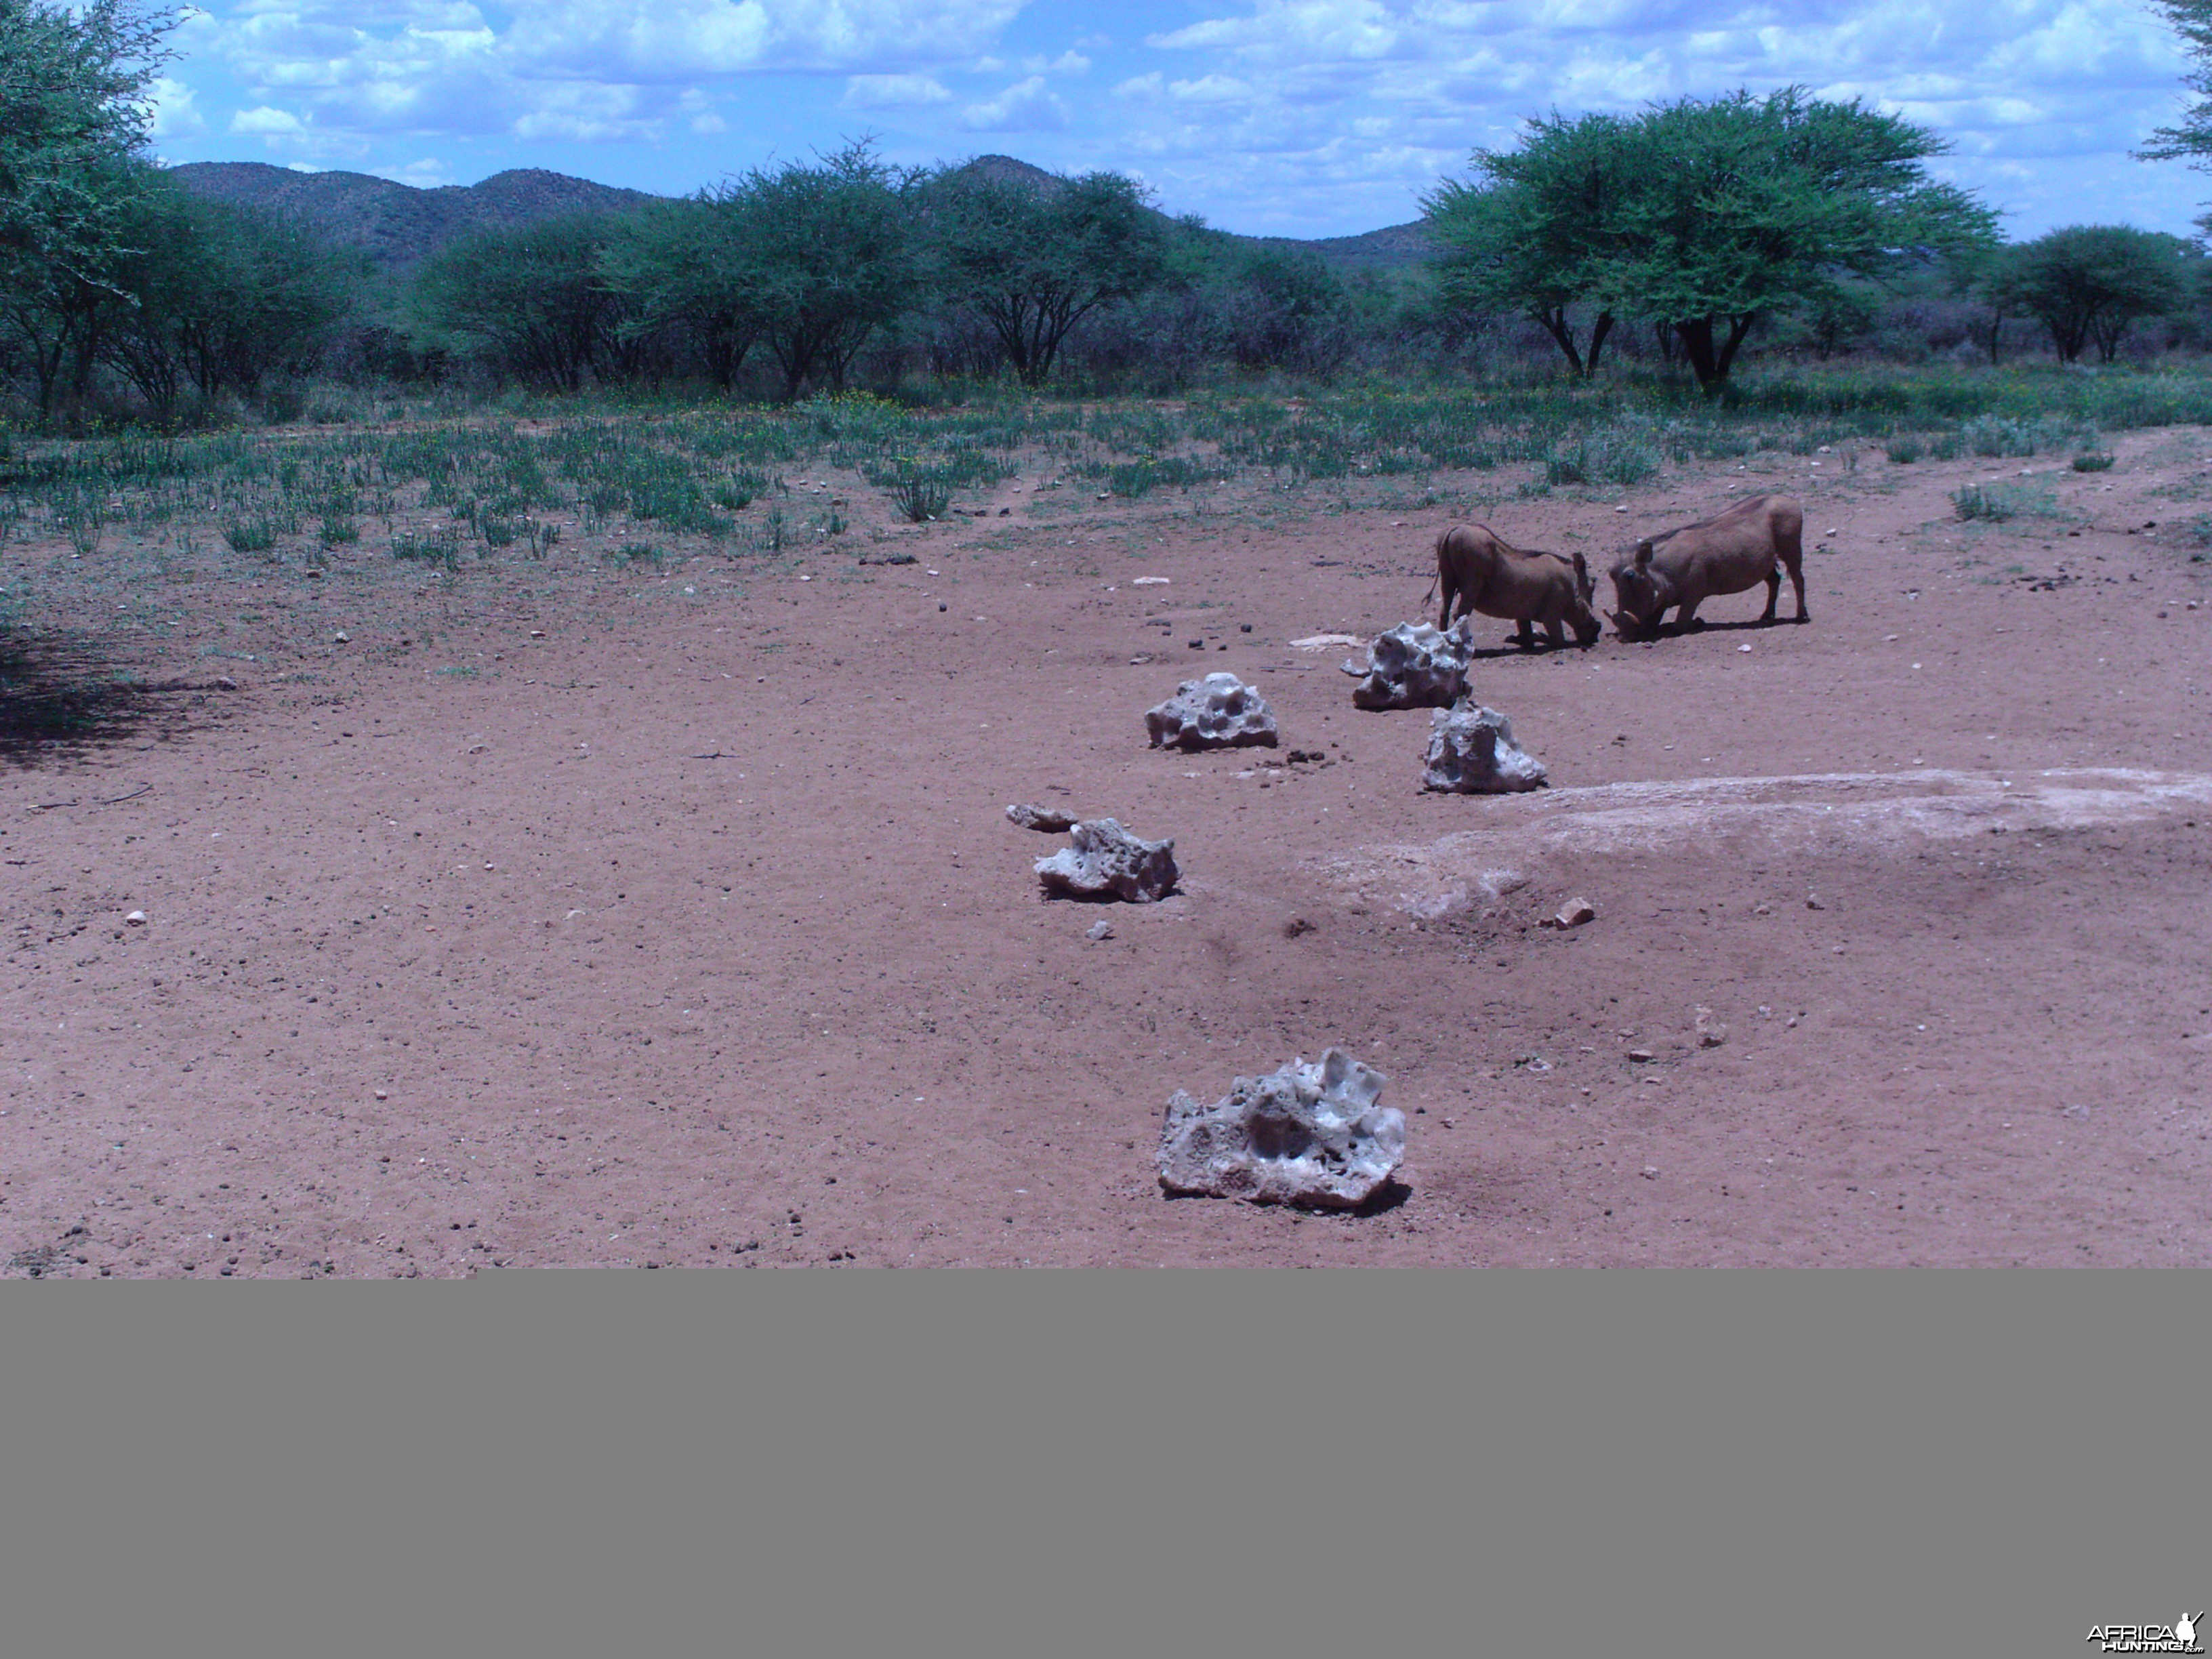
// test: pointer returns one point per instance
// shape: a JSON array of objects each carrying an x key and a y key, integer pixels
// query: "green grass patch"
[{"x": 2000, "y": 501}]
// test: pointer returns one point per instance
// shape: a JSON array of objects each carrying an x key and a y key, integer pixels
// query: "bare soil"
[{"x": 677, "y": 921}]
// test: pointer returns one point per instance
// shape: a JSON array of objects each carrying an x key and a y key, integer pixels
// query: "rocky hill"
[{"x": 398, "y": 225}]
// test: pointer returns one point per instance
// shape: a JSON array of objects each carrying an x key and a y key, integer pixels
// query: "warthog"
[
  {"x": 1753, "y": 541},
  {"x": 1484, "y": 574}
]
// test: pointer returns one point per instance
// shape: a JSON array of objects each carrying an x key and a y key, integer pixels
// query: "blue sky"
[{"x": 1308, "y": 117}]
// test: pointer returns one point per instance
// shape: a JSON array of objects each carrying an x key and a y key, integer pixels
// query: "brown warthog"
[
  {"x": 1753, "y": 541},
  {"x": 1486, "y": 574}
]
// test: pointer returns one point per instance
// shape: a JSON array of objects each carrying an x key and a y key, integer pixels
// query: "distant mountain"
[
  {"x": 399, "y": 225},
  {"x": 1395, "y": 247}
]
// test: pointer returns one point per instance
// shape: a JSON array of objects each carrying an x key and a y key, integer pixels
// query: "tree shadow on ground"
[{"x": 64, "y": 698}]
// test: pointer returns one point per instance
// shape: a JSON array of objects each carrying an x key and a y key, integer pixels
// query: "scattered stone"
[
  {"x": 1639, "y": 1054},
  {"x": 1710, "y": 1033},
  {"x": 1573, "y": 913},
  {"x": 1296, "y": 926},
  {"x": 901, "y": 557},
  {"x": 224, "y": 682},
  {"x": 1150, "y": 582},
  {"x": 341, "y": 638},
  {"x": 1650, "y": 1174},
  {"x": 2078, "y": 1113},
  {"x": 1762, "y": 909},
  {"x": 136, "y": 919},
  {"x": 1105, "y": 861},
  {"x": 1471, "y": 752},
  {"x": 1324, "y": 642},
  {"x": 1219, "y": 712},
  {"x": 1307, "y": 1135},
  {"x": 1813, "y": 903},
  {"x": 1414, "y": 665},
  {"x": 1099, "y": 931},
  {"x": 1050, "y": 819}
]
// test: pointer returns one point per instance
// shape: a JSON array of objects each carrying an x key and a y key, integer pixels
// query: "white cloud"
[
  {"x": 1290, "y": 113},
  {"x": 267, "y": 123},
  {"x": 172, "y": 104},
  {"x": 1280, "y": 31},
  {"x": 893, "y": 92},
  {"x": 423, "y": 174},
  {"x": 1026, "y": 106},
  {"x": 1211, "y": 89},
  {"x": 578, "y": 69}
]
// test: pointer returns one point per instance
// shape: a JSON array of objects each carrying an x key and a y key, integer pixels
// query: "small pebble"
[
  {"x": 136, "y": 919},
  {"x": 1099, "y": 930}
]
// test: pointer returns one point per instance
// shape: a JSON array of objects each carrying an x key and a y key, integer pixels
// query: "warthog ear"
[{"x": 1643, "y": 555}]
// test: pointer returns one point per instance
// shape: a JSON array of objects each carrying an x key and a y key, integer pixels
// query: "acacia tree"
[
  {"x": 73, "y": 128},
  {"x": 824, "y": 254},
  {"x": 1530, "y": 234},
  {"x": 2189, "y": 139},
  {"x": 1033, "y": 258},
  {"x": 1706, "y": 216},
  {"x": 217, "y": 297},
  {"x": 2091, "y": 283},
  {"x": 531, "y": 300},
  {"x": 684, "y": 266}
]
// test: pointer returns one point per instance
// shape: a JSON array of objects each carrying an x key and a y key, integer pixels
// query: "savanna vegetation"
[{"x": 1614, "y": 295}]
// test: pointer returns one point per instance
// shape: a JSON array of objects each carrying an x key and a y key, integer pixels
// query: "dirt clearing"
[{"x": 678, "y": 923}]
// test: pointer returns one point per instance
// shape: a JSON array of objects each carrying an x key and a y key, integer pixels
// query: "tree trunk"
[
  {"x": 1555, "y": 320},
  {"x": 1602, "y": 327},
  {"x": 1710, "y": 361}
]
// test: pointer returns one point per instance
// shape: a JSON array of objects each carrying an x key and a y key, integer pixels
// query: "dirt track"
[{"x": 693, "y": 933}]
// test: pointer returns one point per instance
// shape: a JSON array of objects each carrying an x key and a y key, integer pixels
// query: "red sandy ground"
[{"x": 693, "y": 933}]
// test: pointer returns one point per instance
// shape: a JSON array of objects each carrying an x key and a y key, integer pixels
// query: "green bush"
[
  {"x": 1904, "y": 451},
  {"x": 2092, "y": 462},
  {"x": 250, "y": 535},
  {"x": 1996, "y": 502}
]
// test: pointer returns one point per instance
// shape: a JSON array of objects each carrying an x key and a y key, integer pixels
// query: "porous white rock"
[
  {"x": 1105, "y": 861},
  {"x": 1050, "y": 819},
  {"x": 1219, "y": 712},
  {"x": 1471, "y": 752},
  {"x": 1307, "y": 1135},
  {"x": 1414, "y": 665}
]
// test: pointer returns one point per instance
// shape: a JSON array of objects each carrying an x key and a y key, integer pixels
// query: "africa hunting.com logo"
[{"x": 2179, "y": 1637}]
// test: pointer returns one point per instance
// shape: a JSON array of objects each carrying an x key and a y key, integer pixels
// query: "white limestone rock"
[
  {"x": 1219, "y": 712},
  {"x": 1105, "y": 861},
  {"x": 1307, "y": 1135},
  {"x": 1414, "y": 665},
  {"x": 1050, "y": 819},
  {"x": 1471, "y": 752}
]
